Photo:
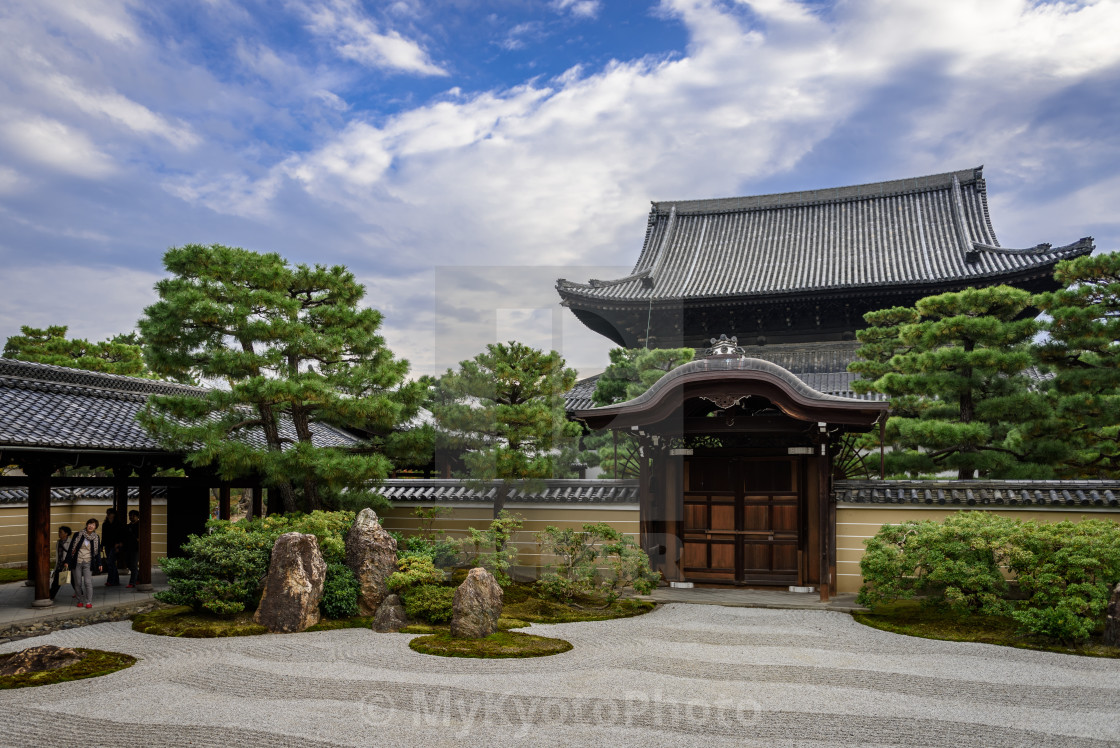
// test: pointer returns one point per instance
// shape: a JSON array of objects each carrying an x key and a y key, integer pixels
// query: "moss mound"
[
  {"x": 94, "y": 662},
  {"x": 333, "y": 624},
  {"x": 182, "y": 621},
  {"x": 524, "y": 602},
  {"x": 911, "y": 618},
  {"x": 502, "y": 644}
]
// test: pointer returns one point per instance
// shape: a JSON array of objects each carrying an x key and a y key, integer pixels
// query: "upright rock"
[
  {"x": 477, "y": 605},
  {"x": 390, "y": 616},
  {"x": 294, "y": 585},
  {"x": 38, "y": 659},
  {"x": 1112, "y": 621},
  {"x": 371, "y": 553}
]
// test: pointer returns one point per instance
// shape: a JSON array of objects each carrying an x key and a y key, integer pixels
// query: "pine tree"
[
  {"x": 1083, "y": 351},
  {"x": 294, "y": 350},
  {"x": 120, "y": 354},
  {"x": 504, "y": 411},
  {"x": 958, "y": 369}
]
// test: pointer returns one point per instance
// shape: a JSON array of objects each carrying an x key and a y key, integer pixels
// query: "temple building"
[{"x": 747, "y": 439}]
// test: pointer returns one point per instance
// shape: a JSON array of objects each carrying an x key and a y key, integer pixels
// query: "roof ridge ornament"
[{"x": 724, "y": 346}]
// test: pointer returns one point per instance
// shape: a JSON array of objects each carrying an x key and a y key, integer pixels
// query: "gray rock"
[
  {"x": 294, "y": 584},
  {"x": 371, "y": 553},
  {"x": 390, "y": 616},
  {"x": 1112, "y": 621},
  {"x": 38, "y": 659},
  {"x": 477, "y": 605}
]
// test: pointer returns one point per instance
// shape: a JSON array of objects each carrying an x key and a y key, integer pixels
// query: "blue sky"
[{"x": 460, "y": 155}]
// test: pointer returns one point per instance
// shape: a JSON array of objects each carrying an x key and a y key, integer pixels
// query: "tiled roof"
[
  {"x": 822, "y": 366},
  {"x": 1035, "y": 493},
  {"x": 73, "y": 493},
  {"x": 558, "y": 491},
  {"x": 579, "y": 396},
  {"x": 54, "y": 407},
  {"x": 926, "y": 230}
]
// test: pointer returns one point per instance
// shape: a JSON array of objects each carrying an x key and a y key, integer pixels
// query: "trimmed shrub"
[
  {"x": 340, "y": 592},
  {"x": 580, "y": 553},
  {"x": 627, "y": 566},
  {"x": 1067, "y": 571},
  {"x": 492, "y": 549},
  {"x": 443, "y": 552},
  {"x": 429, "y": 602},
  {"x": 956, "y": 562},
  {"x": 413, "y": 572}
]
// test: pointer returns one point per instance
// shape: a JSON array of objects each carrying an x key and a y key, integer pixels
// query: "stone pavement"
[
  {"x": 735, "y": 597},
  {"x": 16, "y": 598},
  {"x": 683, "y": 675}
]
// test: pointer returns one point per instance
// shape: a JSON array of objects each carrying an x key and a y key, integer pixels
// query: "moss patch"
[
  {"x": 94, "y": 662},
  {"x": 181, "y": 621},
  {"x": 12, "y": 575},
  {"x": 911, "y": 618},
  {"x": 333, "y": 624},
  {"x": 502, "y": 644},
  {"x": 523, "y": 602}
]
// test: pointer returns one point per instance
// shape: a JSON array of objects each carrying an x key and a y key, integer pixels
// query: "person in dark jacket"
[
  {"x": 83, "y": 558},
  {"x": 59, "y": 557},
  {"x": 112, "y": 537}
]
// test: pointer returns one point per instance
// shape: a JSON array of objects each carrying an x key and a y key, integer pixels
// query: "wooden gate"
[{"x": 742, "y": 520}]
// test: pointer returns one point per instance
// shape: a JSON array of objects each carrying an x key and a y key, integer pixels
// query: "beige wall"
[
  {"x": 13, "y": 525},
  {"x": 857, "y": 523},
  {"x": 622, "y": 517}
]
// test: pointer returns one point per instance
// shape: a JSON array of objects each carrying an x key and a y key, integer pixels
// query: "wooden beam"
[
  {"x": 39, "y": 566},
  {"x": 223, "y": 501},
  {"x": 258, "y": 502},
  {"x": 144, "y": 582},
  {"x": 824, "y": 532}
]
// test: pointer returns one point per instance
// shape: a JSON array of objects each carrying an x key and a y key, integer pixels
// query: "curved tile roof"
[
  {"x": 933, "y": 229},
  {"x": 54, "y": 407},
  {"x": 556, "y": 491}
]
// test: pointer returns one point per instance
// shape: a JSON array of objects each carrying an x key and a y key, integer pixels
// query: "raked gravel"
[{"x": 683, "y": 675}]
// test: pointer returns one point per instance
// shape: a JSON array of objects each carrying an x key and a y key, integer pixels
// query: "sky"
[{"x": 460, "y": 155}]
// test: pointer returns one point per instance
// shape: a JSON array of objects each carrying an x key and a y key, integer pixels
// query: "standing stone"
[
  {"x": 294, "y": 585},
  {"x": 390, "y": 616},
  {"x": 1112, "y": 622},
  {"x": 477, "y": 605},
  {"x": 371, "y": 553},
  {"x": 38, "y": 659}
]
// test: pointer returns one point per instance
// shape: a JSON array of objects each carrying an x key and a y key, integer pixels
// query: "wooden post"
[
  {"x": 144, "y": 581},
  {"x": 39, "y": 565},
  {"x": 824, "y": 532},
  {"x": 258, "y": 502},
  {"x": 120, "y": 494},
  {"x": 223, "y": 502}
]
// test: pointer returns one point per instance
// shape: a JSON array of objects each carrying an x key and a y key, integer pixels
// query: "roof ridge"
[
  {"x": 847, "y": 193},
  {"x": 13, "y": 369}
]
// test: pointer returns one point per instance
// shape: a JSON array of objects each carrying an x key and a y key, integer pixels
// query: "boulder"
[
  {"x": 390, "y": 616},
  {"x": 371, "y": 553},
  {"x": 294, "y": 585},
  {"x": 38, "y": 659},
  {"x": 1112, "y": 620},
  {"x": 477, "y": 606}
]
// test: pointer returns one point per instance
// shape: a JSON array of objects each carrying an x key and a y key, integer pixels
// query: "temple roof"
[
  {"x": 1057, "y": 494},
  {"x": 908, "y": 232},
  {"x": 55, "y": 407},
  {"x": 551, "y": 491}
]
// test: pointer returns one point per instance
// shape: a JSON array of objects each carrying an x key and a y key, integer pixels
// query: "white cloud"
[
  {"x": 578, "y": 8},
  {"x": 56, "y": 145},
  {"x": 357, "y": 37}
]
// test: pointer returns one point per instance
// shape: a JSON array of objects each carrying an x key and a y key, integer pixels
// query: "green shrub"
[
  {"x": 414, "y": 571},
  {"x": 492, "y": 549},
  {"x": 443, "y": 552},
  {"x": 956, "y": 562},
  {"x": 429, "y": 602},
  {"x": 577, "y": 553},
  {"x": 1067, "y": 571},
  {"x": 223, "y": 570},
  {"x": 340, "y": 592},
  {"x": 627, "y": 566}
]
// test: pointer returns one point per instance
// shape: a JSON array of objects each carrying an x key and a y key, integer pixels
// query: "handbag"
[{"x": 64, "y": 576}]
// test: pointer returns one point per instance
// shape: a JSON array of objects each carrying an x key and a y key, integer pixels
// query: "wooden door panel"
[
  {"x": 723, "y": 517},
  {"x": 723, "y": 556},
  {"x": 785, "y": 557},
  {"x": 695, "y": 555},
  {"x": 783, "y": 518},
  {"x": 695, "y": 517}
]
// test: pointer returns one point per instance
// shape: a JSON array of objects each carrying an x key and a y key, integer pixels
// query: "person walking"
[
  {"x": 83, "y": 558},
  {"x": 112, "y": 539},
  {"x": 132, "y": 547},
  {"x": 59, "y": 558}
]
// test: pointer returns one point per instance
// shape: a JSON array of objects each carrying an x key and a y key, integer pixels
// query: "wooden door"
[
  {"x": 771, "y": 521},
  {"x": 741, "y": 520}
]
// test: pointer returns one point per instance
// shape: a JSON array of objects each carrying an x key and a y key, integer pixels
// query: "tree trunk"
[{"x": 500, "y": 498}]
